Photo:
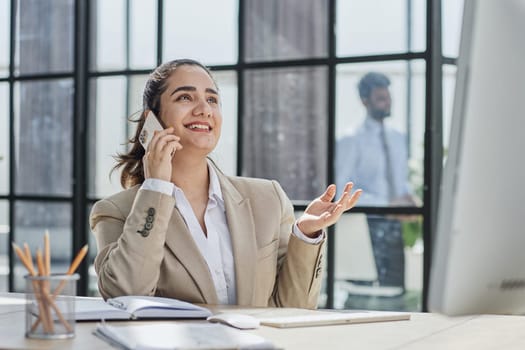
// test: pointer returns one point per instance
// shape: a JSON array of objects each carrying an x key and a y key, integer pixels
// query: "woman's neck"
[{"x": 190, "y": 174}]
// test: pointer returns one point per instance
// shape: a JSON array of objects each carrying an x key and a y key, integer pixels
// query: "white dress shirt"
[
  {"x": 216, "y": 246},
  {"x": 361, "y": 158}
]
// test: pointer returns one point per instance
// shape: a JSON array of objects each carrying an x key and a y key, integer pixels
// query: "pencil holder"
[{"x": 50, "y": 308}]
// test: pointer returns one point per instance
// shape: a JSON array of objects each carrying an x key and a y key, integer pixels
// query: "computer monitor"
[{"x": 478, "y": 263}]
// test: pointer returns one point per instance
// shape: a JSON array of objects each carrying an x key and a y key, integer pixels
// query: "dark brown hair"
[{"x": 133, "y": 170}]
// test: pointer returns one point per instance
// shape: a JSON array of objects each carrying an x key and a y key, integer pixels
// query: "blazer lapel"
[
  {"x": 181, "y": 243},
  {"x": 240, "y": 222}
]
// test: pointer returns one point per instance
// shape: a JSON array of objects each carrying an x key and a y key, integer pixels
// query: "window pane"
[
  {"x": 107, "y": 134},
  {"x": 43, "y": 137},
  {"x": 4, "y": 245},
  {"x": 213, "y": 39},
  {"x": 284, "y": 128},
  {"x": 92, "y": 253},
  {"x": 360, "y": 155},
  {"x": 143, "y": 39},
  {"x": 5, "y": 20},
  {"x": 136, "y": 85},
  {"x": 285, "y": 29},
  {"x": 452, "y": 18},
  {"x": 377, "y": 26},
  {"x": 418, "y": 15},
  {"x": 225, "y": 154},
  {"x": 4, "y": 138},
  {"x": 449, "y": 87},
  {"x": 45, "y": 30},
  {"x": 378, "y": 262},
  {"x": 31, "y": 221},
  {"x": 109, "y": 31}
]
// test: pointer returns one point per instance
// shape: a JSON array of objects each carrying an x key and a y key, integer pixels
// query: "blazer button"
[
  {"x": 148, "y": 225},
  {"x": 144, "y": 233},
  {"x": 151, "y": 211},
  {"x": 149, "y": 218}
]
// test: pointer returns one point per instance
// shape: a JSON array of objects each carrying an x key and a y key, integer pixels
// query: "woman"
[{"x": 183, "y": 229}]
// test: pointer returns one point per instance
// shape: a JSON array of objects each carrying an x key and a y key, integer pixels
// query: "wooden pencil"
[
  {"x": 44, "y": 288},
  {"x": 36, "y": 286},
  {"x": 72, "y": 268},
  {"x": 47, "y": 253}
]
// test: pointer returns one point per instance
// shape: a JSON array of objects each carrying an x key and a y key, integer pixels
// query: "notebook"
[
  {"x": 136, "y": 307},
  {"x": 159, "y": 336},
  {"x": 292, "y": 317}
]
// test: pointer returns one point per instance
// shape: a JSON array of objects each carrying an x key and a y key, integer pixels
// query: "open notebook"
[
  {"x": 136, "y": 307},
  {"x": 291, "y": 317}
]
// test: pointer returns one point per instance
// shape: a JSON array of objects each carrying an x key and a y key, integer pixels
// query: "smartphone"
[{"x": 150, "y": 125}]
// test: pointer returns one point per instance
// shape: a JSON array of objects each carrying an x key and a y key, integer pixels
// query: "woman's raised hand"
[
  {"x": 322, "y": 212},
  {"x": 161, "y": 149}
]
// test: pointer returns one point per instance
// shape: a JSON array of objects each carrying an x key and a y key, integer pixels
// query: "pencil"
[
  {"x": 29, "y": 257},
  {"x": 78, "y": 259},
  {"x": 47, "y": 254},
  {"x": 36, "y": 288},
  {"x": 44, "y": 289},
  {"x": 72, "y": 268}
]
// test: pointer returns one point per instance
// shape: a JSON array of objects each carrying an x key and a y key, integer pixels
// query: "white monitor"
[{"x": 478, "y": 263}]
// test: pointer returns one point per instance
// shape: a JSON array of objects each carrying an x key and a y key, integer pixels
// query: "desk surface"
[{"x": 423, "y": 331}]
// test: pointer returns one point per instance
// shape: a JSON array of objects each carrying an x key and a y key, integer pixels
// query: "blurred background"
[{"x": 72, "y": 72}]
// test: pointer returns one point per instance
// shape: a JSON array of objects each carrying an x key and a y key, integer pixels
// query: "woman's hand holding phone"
[{"x": 159, "y": 152}]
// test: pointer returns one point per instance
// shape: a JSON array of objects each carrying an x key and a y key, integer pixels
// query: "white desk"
[{"x": 423, "y": 331}]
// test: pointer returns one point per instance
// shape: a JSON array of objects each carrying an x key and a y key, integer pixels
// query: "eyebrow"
[{"x": 192, "y": 88}]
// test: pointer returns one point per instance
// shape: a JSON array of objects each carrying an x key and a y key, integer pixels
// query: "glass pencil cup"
[{"x": 50, "y": 308}]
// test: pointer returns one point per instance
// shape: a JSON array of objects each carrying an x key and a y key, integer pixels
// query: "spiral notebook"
[{"x": 136, "y": 307}]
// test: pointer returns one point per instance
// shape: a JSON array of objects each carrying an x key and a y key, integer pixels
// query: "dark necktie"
[{"x": 388, "y": 165}]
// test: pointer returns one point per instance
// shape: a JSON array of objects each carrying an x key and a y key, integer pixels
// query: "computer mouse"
[{"x": 240, "y": 321}]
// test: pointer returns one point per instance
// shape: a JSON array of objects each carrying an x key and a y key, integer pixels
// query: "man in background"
[{"x": 375, "y": 158}]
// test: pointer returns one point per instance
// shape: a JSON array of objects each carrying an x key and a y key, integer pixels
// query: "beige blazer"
[{"x": 272, "y": 267}]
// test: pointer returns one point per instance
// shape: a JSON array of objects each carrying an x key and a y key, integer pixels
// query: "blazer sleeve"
[
  {"x": 130, "y": 245},
  {"x": 299, "y": 271}
]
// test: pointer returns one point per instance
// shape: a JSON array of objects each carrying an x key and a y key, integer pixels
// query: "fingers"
[
  {"x": 329, "y": 194},
  {"x": 353, "y": 199},
  {"x": 164, "y": 143},
  {"x": 158, "y": 136}
]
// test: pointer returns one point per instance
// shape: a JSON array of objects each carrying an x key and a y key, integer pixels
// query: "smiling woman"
[{"x": 185, "y": 230}]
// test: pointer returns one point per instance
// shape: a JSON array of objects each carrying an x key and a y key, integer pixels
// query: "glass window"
[
  {"x": 136, "y": 85},
  {"x": 44, "y": 42},
  {"x": 449, "y": 87},
  {"x": 31, "y": 221},
  {"x": 418, "y": 21},
  {"x": 143, "y": 31},
  {"x": 205, "y": 30},
  {"x": 394, "y": 177},
  {"x": 108, "y": 134},
  {"x": 285, "y": 29},
  {"x": 5, "y": 21},
  {"x": 378, "y": 27},
  {"x": 225, "y": 154},
  {"x": 43, "y": 137},
  {"x": 92, "y": 253},
  {"x": 4, "y": 245},
  {"x": 378, "y": 262},
  {"x": 451, "y": 18},
  {"x": 4, "y": 138},
  {"x": 109, "y": 32},
  {"x": 285, "y": 128}
]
